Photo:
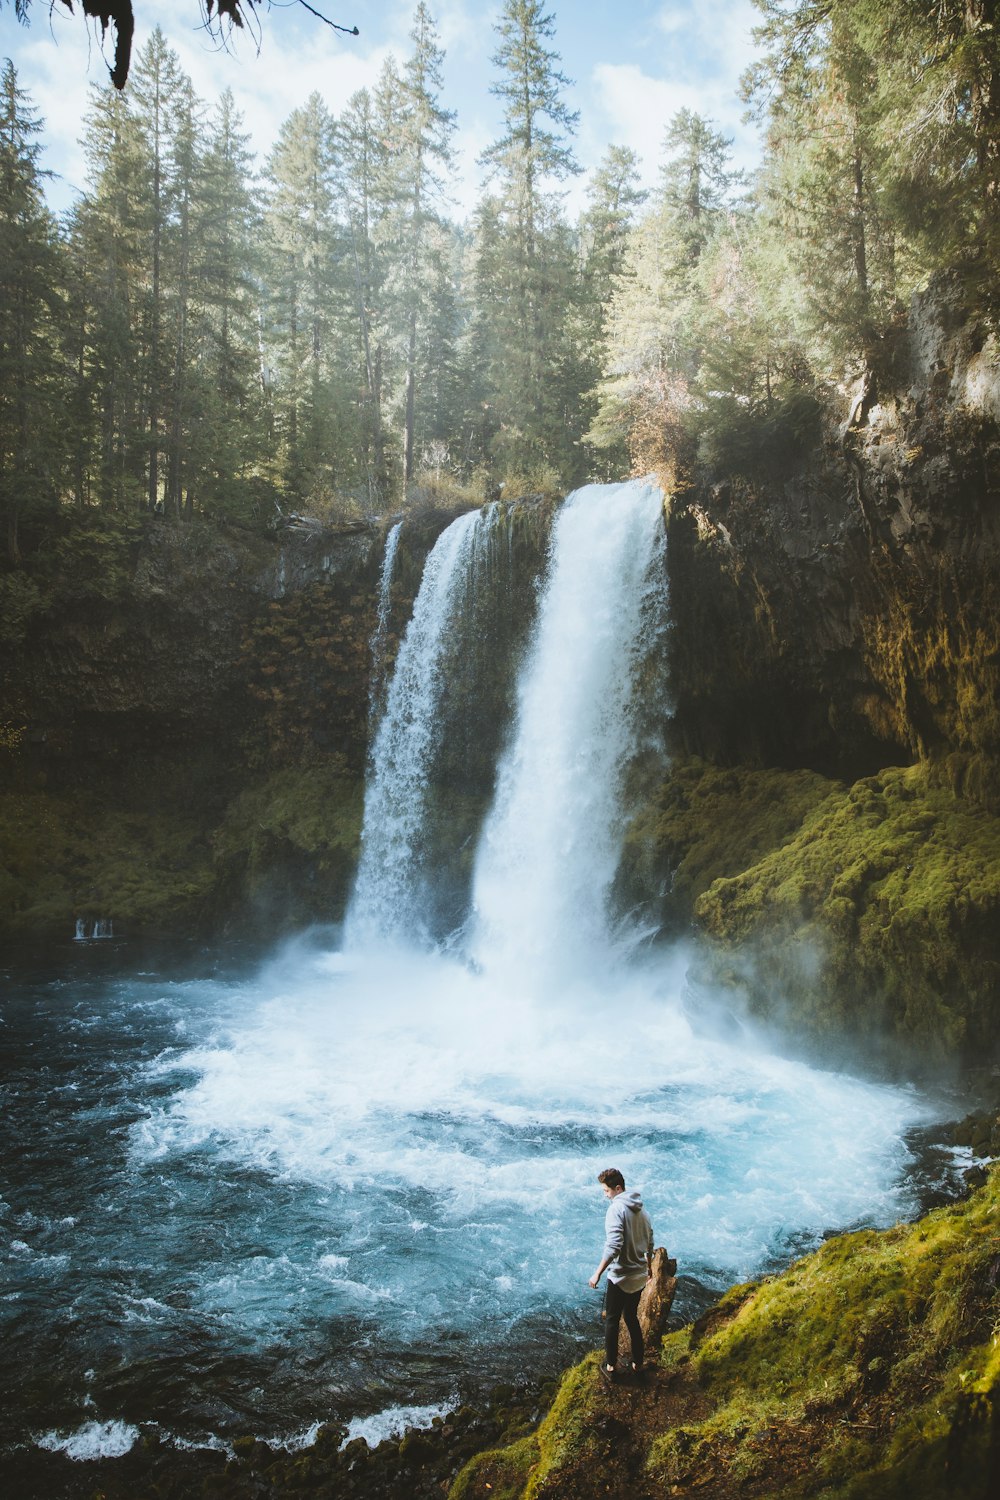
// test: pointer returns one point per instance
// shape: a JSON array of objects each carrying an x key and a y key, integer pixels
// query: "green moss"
[
  {"x": 896, "y": 1325},
  {"x": 499, "y": 1474},
  {"x": 567, "y": 1436},
  {"x": 883, "y": 908},
  {"x": 933, "y": 647},
  {"x": 705, "y": 822},
  {"x": 316, "y": 809},
  {"x": 291, "y": 841},
  {"x": 150, "y": 859},
  {"x": 74, "y": 855}
]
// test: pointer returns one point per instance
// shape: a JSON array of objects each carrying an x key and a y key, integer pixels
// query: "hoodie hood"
[{"x": 633, "y": 1200}]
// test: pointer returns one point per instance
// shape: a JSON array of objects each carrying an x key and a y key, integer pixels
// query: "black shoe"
[{"x": 608, "y": 1375}]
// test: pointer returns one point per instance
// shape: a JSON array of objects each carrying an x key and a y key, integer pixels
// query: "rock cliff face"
[
  {"x": 190, "y": 713},
  {"x": 834, "y": 620},
  {"x": 142, "y": 686},
  {"x": 843, "y": 615}
]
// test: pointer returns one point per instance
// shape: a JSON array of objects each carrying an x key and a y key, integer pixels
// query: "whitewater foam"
[
  {"x": 92, "y": 1441},
  {"x": 414, "y": 1087},
  {"x": 395, "y": 1420}
]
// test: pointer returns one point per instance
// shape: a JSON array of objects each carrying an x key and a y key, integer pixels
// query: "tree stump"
[{"x": 654, "y": 1305}]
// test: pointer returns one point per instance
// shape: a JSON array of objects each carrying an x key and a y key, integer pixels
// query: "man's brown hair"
[{"x": 611, "y": 1177}]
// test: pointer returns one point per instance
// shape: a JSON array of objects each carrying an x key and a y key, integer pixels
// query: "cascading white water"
[
  {"x": 391, "y": 891},
  {"x": 551, "y": 845}
]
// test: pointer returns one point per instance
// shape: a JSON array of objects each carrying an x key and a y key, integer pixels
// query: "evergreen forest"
[{"x": 206, "y": 334}]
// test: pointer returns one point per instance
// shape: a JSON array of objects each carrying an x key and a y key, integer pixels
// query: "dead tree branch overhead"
[{"x": 119, "y": 16}]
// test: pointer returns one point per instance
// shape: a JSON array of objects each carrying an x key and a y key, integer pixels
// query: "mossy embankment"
[
  {"x": 867, "y": 913},
  {"x": 870, "y": 1368}
]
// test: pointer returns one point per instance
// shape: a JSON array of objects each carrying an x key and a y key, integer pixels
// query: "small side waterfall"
[
  {"x": 393, "y": 894},
  {"x": 552, "y": 842},
  {"x": 381, "y": 631},
  {"x": 90, "y": 932}
]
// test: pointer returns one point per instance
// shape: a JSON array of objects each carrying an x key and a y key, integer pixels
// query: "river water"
[{"x": 357, "y": 1180}]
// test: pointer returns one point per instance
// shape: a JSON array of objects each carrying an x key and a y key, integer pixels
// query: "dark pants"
[{"x": 618, "y": 1305}]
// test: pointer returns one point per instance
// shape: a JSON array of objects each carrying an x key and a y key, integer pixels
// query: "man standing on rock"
[{"x": 628, "y": 1260}]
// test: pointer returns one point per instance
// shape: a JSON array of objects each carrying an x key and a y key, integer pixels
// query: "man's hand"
[{"x": 594, "y": 1279}]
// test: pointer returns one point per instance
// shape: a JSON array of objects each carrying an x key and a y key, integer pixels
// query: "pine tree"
[
  {"x": 527, "y": 269},
  {"x": 823, "y": 181},
  {"x": 29, "y": 313},
  {"x": 655, "y": 321},
  {"x": 361, "y": 152},
  {"x": 696, "y": 180},
  {"x": 936, "y": 112},
  {"x": 160, "y": 104},
  {"x": 300, "y": 257},
  {"x": 232, "y": 421},
  {"x": 614, "y": 197},
  {"x": 605, "y": 229},
  {"x": 106, "y": 245},
  {"x": 183, "y": 404},
  {"x": 423, "y": 160}
]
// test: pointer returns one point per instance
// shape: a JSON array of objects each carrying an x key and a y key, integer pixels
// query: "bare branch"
[{"x": 119, "y": 15}]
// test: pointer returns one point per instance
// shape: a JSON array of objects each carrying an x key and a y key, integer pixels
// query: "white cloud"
[
  {"x": 57, "y": 67},
  {"x": 706, "y": 49}
]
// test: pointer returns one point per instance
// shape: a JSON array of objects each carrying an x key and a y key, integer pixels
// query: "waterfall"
[
  {"x": 104, "y": 927},
  {"x": 394, "y": 891},
  {"x": 552, "y": 842},
  {"x": 381, "y": 631}
]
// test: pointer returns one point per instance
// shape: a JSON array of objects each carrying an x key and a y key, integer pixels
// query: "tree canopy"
[{"x": 205, "y": 334}]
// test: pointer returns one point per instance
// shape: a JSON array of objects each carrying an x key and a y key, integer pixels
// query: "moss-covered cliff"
[
  {"x": 831, "y": 821},
  {"x": 138, "y": 710},
  {"x": 861, "y": 916}
]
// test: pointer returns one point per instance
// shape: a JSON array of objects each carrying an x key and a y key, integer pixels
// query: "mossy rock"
[
  {"x": 703, "y": 822},
  {"x": 76, "y": 854},
  {"x": 879, "y": 915},
  {"x": 869, "y": 912},
  {"x": 287, "y": 846}
]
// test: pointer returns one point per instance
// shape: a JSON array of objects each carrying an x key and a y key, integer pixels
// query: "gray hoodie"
[{"x": 628, "y": 1237}]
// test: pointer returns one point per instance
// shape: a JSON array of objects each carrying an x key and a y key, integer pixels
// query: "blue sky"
[{"x": 633, "y": 63}]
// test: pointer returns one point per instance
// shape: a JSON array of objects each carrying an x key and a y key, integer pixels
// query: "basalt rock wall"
[
  {"x": 187, "y": 715},
  {"x": 842, "y": 614}
]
